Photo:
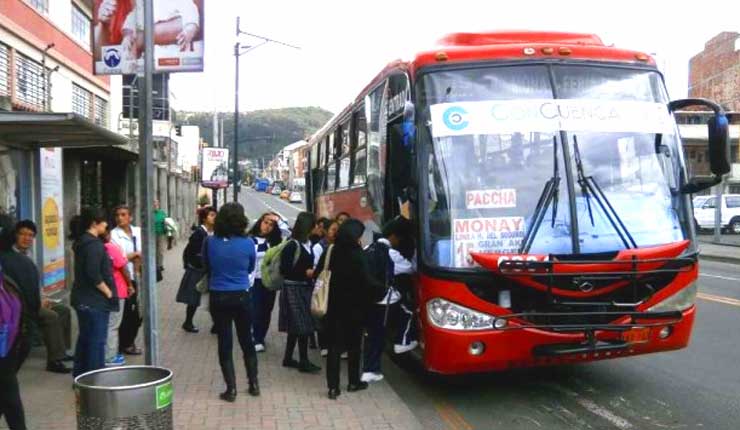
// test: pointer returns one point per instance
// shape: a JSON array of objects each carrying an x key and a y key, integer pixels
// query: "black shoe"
[
  {"x": 357, "y": 387},
  {"x": 190, "y": 328},
  {"x": 229, "y": 395},
  {"x": 68, "y": 357},
  {"x": 309, "y": 367},
  {"x": 57, "y": 367},
  {"x": 291, "y": 363},
  {"x": 254, "y": 389},
  {"x": 334, "y": 393}
]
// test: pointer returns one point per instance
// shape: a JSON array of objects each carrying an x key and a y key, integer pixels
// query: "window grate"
[
  {"x": 4, "y": 70},
  {"x": 29, "y": 86},
  {"x": 101, "y": 112},
  {"x": 82, "y": 101},
  {"x": 40, "y": 5}
]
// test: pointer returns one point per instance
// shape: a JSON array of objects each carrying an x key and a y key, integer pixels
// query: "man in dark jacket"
[{"x": 52, "y": 319}]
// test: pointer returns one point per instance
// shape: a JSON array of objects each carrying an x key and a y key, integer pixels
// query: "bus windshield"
[{"x": 504, "y": 148}]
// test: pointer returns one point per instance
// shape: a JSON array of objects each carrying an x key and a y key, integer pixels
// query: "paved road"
[
  {"x": 256, "y": 203},
  {"x": 696, "y": 388}
]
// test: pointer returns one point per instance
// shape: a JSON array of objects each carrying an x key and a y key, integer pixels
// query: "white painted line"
[
  {"x": 605, "y": 413},
  {"x": 595, "y": 408},
  {"x": 726, "y": 278}
]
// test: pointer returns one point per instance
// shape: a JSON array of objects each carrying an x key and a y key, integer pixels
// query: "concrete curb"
[{"x": 719, "y": 258}]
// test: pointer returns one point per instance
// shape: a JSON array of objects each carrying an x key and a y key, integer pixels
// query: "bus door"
[{"x": 399, "y": 149}]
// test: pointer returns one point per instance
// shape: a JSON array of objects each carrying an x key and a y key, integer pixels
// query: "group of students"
[
  {"x": 361, "y": 300},
  {"x": 103, "y": 296}
]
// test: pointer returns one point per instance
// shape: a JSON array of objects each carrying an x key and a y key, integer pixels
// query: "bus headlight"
[
  {"x": 680, "y": 301},
  {"x": 450, "y": 316}
]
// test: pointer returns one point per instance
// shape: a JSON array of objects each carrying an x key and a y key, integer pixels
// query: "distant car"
[
  {"x": 276, "y": 191},
  {"x": 268, "y": 190},
  {"x": 704, "y": 212},
  {"x": 285, "y": 194},
  {"x": 295, "y": 197}
]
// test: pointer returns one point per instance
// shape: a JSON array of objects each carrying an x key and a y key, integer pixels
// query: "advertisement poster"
[
  {"x": 118, "y": 34},
  {"x": 214, "y": 168},
  {"x": 495, "y": 235},
  {"x": 52, "y": 222}
]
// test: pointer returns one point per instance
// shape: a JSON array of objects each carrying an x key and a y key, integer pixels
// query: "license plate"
[{"x": 636, "y": 335}]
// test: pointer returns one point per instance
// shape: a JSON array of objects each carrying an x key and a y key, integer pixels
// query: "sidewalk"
[
  {"x": 721, "y": 253},
  {"x": 289, "y": 400}
]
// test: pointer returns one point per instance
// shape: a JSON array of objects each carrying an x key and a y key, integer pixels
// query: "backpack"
[
  {"x": 381, "y": 267},
  {"x": 11, "y": 309},
  {"x": 272, "y": 279}
]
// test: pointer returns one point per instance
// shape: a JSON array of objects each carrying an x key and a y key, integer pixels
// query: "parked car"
[
  {"x": 704, "y": 212},
  {"x": 276, "y": 191},
  {"x": 295, "y": 197},
  {"x": 285, "y": 194}
]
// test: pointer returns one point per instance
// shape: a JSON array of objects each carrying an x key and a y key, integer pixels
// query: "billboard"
[
  {"x": 118, "y": 35},
  {"x": 214, "y": 167},
  {"x": 52, "y": 220}
]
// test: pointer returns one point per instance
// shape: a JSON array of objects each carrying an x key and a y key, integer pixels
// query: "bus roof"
[{"x": 502, "y": 45}]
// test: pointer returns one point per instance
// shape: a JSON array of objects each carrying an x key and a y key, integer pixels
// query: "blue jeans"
[
  {"x": 263, "y": 301},
  {"x": 90, "y": 349}
]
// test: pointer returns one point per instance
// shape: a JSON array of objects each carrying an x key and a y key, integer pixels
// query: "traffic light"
[{"x": 178, "y": 130}]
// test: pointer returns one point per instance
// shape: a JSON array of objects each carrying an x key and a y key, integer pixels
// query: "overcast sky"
[{"x": 345, "y": 43}]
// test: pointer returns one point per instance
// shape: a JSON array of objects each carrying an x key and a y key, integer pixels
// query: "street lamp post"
[{"x": 240, "y": 50}]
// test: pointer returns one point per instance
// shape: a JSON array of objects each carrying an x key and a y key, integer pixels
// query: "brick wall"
[{"x": 715, "y": 72}]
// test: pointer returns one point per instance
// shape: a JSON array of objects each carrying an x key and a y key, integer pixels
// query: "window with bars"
[
  {"x": 81, "y": 101},
  {"x": 101, "y": 112},
  {"x": 81, "y": 26},
  {"x": 40, "y": 5},
  {"x": 29, "y": 83},
  {"x": 4, "y": 70}
]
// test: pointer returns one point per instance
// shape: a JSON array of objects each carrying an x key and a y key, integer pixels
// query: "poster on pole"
[
  {"x": 118, "y": 36},
  {"x": 214, "y": 167},
  {"x": 52, "y": 222}
]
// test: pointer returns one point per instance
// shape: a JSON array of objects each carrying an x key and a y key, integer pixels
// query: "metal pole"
[
  {"x": 718, "y": 212},
  {"x": 146, "y": 162},
  {"x": 169, "y": 169},
  {"x": 235, "y": 158}
]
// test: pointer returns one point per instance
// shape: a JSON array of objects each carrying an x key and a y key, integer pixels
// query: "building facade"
[{"x": 714, "y": 73}]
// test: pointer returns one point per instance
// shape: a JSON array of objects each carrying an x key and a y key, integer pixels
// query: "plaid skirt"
[{"x": 295, "y": 308}]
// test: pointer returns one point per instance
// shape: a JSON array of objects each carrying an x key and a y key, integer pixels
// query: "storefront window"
[{"x": 11, "y": 186}]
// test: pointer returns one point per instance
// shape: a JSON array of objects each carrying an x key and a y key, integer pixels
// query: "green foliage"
[{"x": 262, "y": 133}]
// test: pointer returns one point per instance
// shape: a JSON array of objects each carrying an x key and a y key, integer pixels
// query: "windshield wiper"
[
  {"x": 589, "y": 186},
  {"x": 550, "y": 193}
]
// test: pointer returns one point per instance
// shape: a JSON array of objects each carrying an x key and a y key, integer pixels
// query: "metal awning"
[{"x": 50, "y": 129}]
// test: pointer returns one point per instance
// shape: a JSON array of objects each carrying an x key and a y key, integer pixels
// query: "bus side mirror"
[{"x": 718, "y": 144}]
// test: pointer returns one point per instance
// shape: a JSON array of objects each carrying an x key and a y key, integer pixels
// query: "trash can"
[{"x": 125, "y": 398}]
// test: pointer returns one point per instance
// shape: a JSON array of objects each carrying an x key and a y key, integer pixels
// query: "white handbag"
[{"x": 320, "y": 295}]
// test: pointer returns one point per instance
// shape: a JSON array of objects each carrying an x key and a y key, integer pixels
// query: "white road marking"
[{"x": 595, "y": 408}]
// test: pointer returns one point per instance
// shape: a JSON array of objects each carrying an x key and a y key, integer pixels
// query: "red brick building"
[{"x": 714, "y": 73}]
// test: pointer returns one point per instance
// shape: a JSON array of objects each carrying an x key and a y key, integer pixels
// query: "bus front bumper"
[{"x": 453, "y": 352}]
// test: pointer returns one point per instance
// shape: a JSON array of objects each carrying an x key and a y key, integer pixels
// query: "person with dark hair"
[
  {"x": 192, "y": 259},
  {"x": 52, "y": 319},
  {"x": 93, "y": 292},
  {"x": 265, "y": 234},
  {"x": 229, "y": 259},
  {"x": 351, "y": 293},
  {"x": 342, "y": 217},
  {"x": 16, "y": 319},
  {"x": 295, "y": 317},
  {"x": 390, "y": 266},
  {"x": 128, "y": 238}
]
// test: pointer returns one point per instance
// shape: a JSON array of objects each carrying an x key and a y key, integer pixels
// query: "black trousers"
[
  {"x": 347, "y": 336},
  {"x": 130, "y": 322},
  {"x": 11, "y": 406},
  {"x": 229, "y": 309}
]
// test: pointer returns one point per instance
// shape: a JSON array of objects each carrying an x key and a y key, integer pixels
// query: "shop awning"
[{"x": 50, "y": 129}]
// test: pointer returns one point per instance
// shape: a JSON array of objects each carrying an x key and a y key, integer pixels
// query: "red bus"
[{"x": 546, "y": 177}]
